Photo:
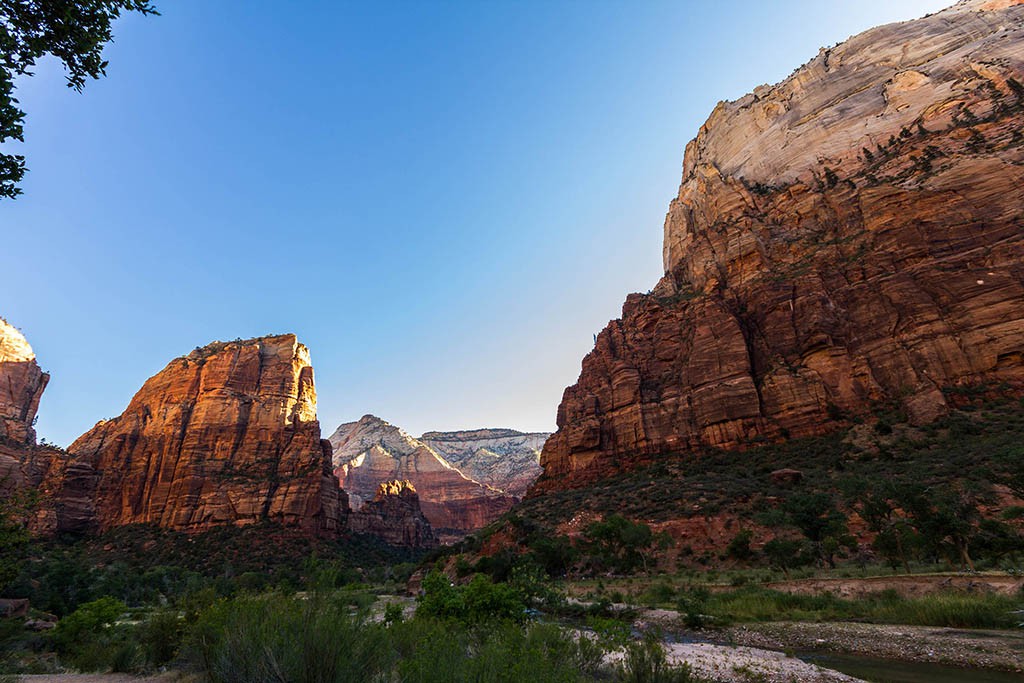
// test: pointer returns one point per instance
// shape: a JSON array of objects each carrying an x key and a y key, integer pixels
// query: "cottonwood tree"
[
  {"x": 878, "y": 504},
  {"x": 73, "y": 31},
  {"x": 816, "y": 516}
]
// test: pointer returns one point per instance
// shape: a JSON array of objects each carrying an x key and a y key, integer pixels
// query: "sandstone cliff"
[
  {"x": 849, "y": 237},
  {"x": 503, "y": 459},
  {"x": 394, "y": 515},
  {"x": 225, "y": 435},
  {"x": 23, "y": 464},
  {"x": 371, "y": 451},
  {"x": 21, "y": 386}
]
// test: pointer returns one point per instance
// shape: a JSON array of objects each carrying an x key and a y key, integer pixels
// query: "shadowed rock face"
[
  {"x": 851, "y": 235},
  {"x": 21, "y": 386},
  {"x": 501, "y": 458},
  {"x": 394, "y": 515},
  {"x": 371, "y": 451},
  {"x": 225, "y": 435}
]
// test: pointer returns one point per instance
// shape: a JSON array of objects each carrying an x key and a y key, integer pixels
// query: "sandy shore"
[
  {"x": 956, "y": 647},
  {"x": 740, "y": 664}
]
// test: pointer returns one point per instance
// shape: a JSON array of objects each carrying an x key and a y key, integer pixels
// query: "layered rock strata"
[
  {"x": 850, "y": 237},
  {"x": 503, "y": 459},
  {"x": 371, "y": 451},
  {"x": 394, "y": 515},
  {"x": 226, "y": 435}
]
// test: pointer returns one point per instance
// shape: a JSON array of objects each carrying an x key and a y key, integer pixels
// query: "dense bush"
[
  {"x": 479, "y": 600},
  {"x": 320, "y": 640},
  {"x": 273, "y": 637}
]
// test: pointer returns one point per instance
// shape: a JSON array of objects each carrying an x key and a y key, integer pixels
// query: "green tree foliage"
[
  {"x": 739, "y": 547},
  {"x": 14, "y": 536},
  {"x": 479, "y": 600},
  {"x": 554, "y": 553},
  {"x": 618, "y": 544},
  {"x": 879, "y": 505},
  {"x": 90, "y": 618},
  {"x": 816, "y": 516},
  {"x": 74, "y": 32},
  {"x": 947, "y": 516},
  {"x": 785, "y": 553}
]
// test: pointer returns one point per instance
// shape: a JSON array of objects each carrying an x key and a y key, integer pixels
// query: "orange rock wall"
[
  {"x": 849, "y": 236},
  {"x": 225, "y": 435}
]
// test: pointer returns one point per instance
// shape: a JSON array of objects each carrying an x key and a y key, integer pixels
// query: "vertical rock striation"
[
  {"x": 225, "y": 435},
  {"x": 851, "y": 236}
]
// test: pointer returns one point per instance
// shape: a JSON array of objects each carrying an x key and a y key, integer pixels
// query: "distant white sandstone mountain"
[
  {"x": 502, "y": 458},
  {"x": 371, "y": 451}
]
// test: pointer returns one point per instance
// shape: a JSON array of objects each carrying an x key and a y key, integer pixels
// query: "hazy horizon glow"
[{"x": 444, "y": 201}]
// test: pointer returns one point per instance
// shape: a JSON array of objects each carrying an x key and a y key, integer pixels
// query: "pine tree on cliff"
[{"x": 73, "y": 31}]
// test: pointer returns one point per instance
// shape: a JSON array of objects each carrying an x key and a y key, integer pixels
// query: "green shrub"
[
  {"x": 160, "y": 636},
  {"x": 658, "y": 593},
  {"x": 273, "y": 637},
  {"x": 319, "y": 640},
  {"x": 739, "y": 547},
  {"x": 479, "y": 600},
  {"x": 89, "y": 621},
  {"x": 645, "y": 662}
]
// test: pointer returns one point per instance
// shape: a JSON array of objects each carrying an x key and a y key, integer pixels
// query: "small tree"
[
  {"x": 877, "y": 504},
  {"x": 785, "y": 554},
  {"x": 816, "y": 516},
  {"x": 618, "y": 543},
  {"x": 948, "y": 517},
  {"x": 739, "y": 547}
]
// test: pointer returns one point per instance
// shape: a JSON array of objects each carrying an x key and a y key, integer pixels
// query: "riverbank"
[{"x": 979, "y": 649}]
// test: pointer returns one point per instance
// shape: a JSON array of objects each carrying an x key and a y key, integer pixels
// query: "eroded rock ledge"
[{"x": 848, "y": 237}]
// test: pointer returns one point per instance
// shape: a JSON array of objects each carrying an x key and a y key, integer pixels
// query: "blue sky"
[{"x": 445, "y": 200}]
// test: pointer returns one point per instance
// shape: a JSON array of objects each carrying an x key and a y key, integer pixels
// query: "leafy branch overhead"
[{"x": 73, "y": 31}]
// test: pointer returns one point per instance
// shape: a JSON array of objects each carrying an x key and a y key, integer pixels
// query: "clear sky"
[{"x": 444, "y": 200}]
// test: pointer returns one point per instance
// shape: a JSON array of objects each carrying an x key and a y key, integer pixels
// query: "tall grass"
[{"x": 953, "y": 609}]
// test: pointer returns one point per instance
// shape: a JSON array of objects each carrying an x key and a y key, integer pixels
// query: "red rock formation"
[
  {"x": 225, "y": 435},
  {"x": 394, "y": 515},
  {"x": 21, "y": 386},
  {"x": 372, "y": 451},
  {"x": 851, "y": 235}
]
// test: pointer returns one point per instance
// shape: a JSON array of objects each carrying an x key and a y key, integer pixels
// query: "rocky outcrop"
[
  {"x": 850, "y": 237},
  {"x": 371, "y": 451},
  {"x": 21, "y": 386},
  {"x": 24, "y": 465},
  {"x": 226, "y": 435},
  {"x": 394, "y": 515},
  {"x": 503, "y": 459}
]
